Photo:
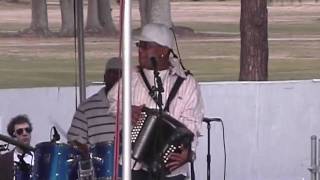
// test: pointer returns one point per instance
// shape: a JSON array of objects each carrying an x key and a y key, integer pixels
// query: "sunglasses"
[
  {"x": 147, "y": 45},
  {"x": 20, "y": 131}
]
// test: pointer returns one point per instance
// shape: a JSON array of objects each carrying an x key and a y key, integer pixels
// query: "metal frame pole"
[
  {"x": 126, "y": 50},
  {"x": 317, "y": 166},
  {"x": 314, "y": 167},
  {"x": 81, "y": 55}
]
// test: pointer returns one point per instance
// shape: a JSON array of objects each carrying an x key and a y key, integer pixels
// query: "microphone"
[
  {"x": 56, "y": 136},
  {"x": 154, "y": 63},
  {"x": 4, "y": 147},
  {"x": 208, "y": 120},
  {"x": 9, "y": 140}
]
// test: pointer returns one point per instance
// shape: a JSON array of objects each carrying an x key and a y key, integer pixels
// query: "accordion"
[{"x": 154, "y": 137}]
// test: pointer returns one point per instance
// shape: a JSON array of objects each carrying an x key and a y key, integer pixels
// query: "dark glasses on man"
[
  {"x": 147, "y": 45},
  {"x": 20, "y": 131}
]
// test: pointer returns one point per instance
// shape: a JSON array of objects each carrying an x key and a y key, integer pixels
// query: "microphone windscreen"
[
  {"x": 56, "y": 135},
  {"x": 153, "y": 61}
]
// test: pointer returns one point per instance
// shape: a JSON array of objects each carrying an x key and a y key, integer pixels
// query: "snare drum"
[
  {"x": 55, "y": 161},
  {"x": 103, "y": 159}
]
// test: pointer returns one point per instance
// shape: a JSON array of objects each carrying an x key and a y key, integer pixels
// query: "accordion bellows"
[{"x": 154, "y": 137}]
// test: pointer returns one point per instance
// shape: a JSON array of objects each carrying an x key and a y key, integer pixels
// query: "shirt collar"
[
  {"x": 176, "y": 68},
  {"x": 102, "y": 94}
]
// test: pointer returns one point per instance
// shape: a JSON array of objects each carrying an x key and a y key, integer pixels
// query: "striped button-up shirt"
[
  {"x": 92, "y": 122},
  {"x": 186, "y": 107}
]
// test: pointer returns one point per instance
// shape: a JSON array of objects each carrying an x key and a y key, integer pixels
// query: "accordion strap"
[
  {"x": 173, "y": 91},
  {"x": 146, "y": 82},
  {"x": 144, "y": 79}
]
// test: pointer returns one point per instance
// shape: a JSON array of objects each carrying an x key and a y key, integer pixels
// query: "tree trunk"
[
  {"x": 160, "y": 12},
  {"x": 93, "y": 23},
  {"x": 39, "y": 21},
  {"x": 67, "y": 18},
  {"x": 254, "y": 40},
  {"x": 105, "y": 17}
]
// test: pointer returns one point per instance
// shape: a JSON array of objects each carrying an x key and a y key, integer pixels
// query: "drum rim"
[
  {"x": 109, "y": 142},
  {"x": 51, "y": 143}
]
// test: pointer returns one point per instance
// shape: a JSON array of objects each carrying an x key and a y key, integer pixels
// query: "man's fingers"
[
  {"x": 175, "y": 157},
  {"x": 175, "y": 161},
  {"x": 172, "y": 165},
  {"x": 136, "y": 110}
]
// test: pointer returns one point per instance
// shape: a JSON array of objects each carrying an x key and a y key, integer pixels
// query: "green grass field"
[{"x": 294, "y": 32}]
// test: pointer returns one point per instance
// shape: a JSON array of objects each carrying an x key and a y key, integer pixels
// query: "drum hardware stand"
[
  {"x": 97, "y": 159},
  {"x": 86, "y": 169},
  {"x": 315, "y": 166}
]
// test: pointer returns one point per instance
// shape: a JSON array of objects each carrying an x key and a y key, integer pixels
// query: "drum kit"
[{"x": 60, "y": 161}]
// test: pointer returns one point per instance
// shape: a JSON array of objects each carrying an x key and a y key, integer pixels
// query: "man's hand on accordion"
[
  {"x": 136, "y": 111},
  {"x": 178, "y": 159}
]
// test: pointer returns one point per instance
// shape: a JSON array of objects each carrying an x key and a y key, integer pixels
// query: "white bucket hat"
[{"x": 158, "y": 33}]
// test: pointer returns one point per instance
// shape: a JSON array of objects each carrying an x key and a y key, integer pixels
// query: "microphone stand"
[
  {"x": 208, "y": 121},
  {"x": 158, "y": 87},
  {"x": 209, "y": 153},
  {"x": 160, "y": 90}
]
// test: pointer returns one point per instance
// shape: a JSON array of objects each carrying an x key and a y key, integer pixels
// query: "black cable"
[
  {"x": 224, "y": 143},
  {"x": 134, "y": 164},
  {"x": 176, "y": 42},
  {"x": 225, "y": 153},
  {"x": 179, "y": 55}
]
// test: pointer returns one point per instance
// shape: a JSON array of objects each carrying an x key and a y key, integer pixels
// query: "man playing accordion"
[{"x": 156, "y": 44}]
